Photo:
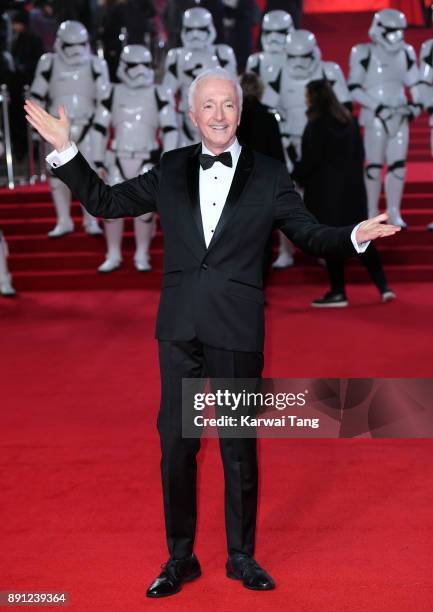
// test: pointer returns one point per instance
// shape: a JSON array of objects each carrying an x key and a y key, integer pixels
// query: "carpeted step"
[
  {"x": 30, "y": 227},
  {"x": 72, "y": 243},
  {"x": 128, "y": 278},
  {"x": 87, "y": 260}
]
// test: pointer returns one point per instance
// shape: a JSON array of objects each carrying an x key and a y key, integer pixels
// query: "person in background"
[
  {"x": 331, "y": 173},
  {"x": 259, "y": 130},
  {"x": 258, "y": 127},
  {"x": 136, "y": 19},
  {"x": 43, "y": 23},
  {"x": 239, "y": 18},
  {"x": 27, "y": 48}
]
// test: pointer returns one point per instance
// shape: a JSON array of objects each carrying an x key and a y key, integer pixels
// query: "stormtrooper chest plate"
[
  {"x": 385, "y": 76},
  {"x": 73, "y": 87},
  {"x": 270, "y": 66},
  {"x": 135, "y": 118}
]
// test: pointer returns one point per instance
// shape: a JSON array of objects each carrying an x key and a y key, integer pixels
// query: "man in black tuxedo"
[{"x": 218, "y": 203}]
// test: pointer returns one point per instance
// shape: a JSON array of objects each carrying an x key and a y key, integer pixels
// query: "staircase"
[{"x": 40, "y": 263}]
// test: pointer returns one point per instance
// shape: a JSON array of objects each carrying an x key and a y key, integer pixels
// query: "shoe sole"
[
  {"x": 336, "y": 305},
  {"x": 189, "y": 579},
  {"x": 60, "y": 235},
  {"x": 234, "y": 577}
]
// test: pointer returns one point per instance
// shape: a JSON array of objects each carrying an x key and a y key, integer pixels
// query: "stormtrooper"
[
  {"x": 303, "y": 64},
  {"x": 183, "y": 64},
  {"x": 426, "y": 86},
  {"x": 74, "y": 78},
  {"x": 379, "y": 73},
  {"x": 138, "y": 112},
  {"x": 276, "y": 25},
  {"x": 6, "y": 288}
]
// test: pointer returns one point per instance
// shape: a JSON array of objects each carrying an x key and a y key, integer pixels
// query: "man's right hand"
[{"x": 55, "y": 131}]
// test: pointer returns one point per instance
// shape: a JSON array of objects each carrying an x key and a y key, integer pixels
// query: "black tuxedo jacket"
[{"x": 215, "y": 293}]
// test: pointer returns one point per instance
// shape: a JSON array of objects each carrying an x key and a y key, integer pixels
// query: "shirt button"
[
  {"x": 215, "y": 177},
  {"x": 214, "y": 204},
  {"x": 204, "y": 266},
  {"x": 212, "y": 231}
]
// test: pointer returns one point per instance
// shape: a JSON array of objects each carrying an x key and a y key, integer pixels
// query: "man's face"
[{"x": 216, "y": 113}]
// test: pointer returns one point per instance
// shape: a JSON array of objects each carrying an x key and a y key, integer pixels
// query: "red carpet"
[{"x": 343, "y": 525}]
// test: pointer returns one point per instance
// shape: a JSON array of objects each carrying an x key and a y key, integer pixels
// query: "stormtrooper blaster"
[
  {"x": 409, "y": 110},
  {"x": 396, "y": 114}
]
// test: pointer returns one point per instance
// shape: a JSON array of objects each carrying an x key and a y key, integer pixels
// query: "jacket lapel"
[
  {"x": 189, "y": 215},
  {"x": 243, "y": 171}
]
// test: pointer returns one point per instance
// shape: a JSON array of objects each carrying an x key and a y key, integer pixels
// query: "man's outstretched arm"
[
  {"x": 129, "y": 199},
  {"x": 294, "y": 220}
]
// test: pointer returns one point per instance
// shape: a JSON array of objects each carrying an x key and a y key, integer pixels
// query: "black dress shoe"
[
  {"x": 174, "y": 573},
  {"x": 245, "y": 568}
]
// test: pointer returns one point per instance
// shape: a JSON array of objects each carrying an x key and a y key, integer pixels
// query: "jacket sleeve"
[
  {"x": 129, "y": 199},
  {"x": 300, "y": 226}
]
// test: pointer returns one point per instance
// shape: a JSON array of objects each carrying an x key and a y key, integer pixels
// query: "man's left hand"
[{"x": 376, "y": 228}]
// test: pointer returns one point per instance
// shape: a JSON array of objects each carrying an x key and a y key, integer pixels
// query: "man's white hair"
[{"x": 214, "y": 73}]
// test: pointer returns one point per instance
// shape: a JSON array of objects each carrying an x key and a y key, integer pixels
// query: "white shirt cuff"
[
  {"x": 58, "y": 158},
  {"x": 359, "y": 248}
]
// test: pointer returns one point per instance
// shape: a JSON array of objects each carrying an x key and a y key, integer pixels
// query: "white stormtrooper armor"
[
  {"x": 183, "y": 64},
  {"x": 276, "y": 25},
  {"x": 379, "y": 73},
  {"x": 138, "y": 111},
  {"x": 6, "y": 288},
  {"x": 303, "y": 64},
  {"x": 426, "y": 87},
  {"x": 74, "y": 78}
]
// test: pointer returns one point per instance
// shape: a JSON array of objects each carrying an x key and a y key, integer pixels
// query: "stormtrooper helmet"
[
  {"x": 135, "y": 66},
  {"x": 303, "y": 54},
  {"x": 198, "y": 30},
  {"x": 387, "y": 29},
  {"x": 72, "y": 43},
  {"x": 276, "y": 25}
]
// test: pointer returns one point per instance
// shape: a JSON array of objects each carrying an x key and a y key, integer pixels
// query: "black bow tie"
[{"x": 207, "y": 161}]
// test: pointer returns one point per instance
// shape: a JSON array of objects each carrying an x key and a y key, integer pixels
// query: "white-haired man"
[{"x": 218, "y": 203}]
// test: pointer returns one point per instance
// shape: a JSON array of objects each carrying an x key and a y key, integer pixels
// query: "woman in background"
[{"x": 331, "y": 173}]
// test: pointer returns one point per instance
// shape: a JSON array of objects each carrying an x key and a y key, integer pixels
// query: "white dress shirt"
[{"x": 214, "y": 186}]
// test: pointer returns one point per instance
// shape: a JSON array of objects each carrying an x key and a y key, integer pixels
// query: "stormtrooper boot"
[
  {"x": 113, "y": 236},
  {"x": 90, "y": 224},
  {"x": 394, "y": 190},
  {"x": 144, "y": 228},
  {"x": 6, "y": 288},
  {"x": 285, "y": 255},
  {"x": 62, "y": 203}
]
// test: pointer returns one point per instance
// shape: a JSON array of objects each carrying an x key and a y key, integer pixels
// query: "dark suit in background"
[
  {"x": 211, "y": 316},
  {"x": 259, "y": 130}
]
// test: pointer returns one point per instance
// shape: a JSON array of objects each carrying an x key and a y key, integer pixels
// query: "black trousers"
[
  {"x": 372, "y": 262},
  {"x": 178, "y": 461}
]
